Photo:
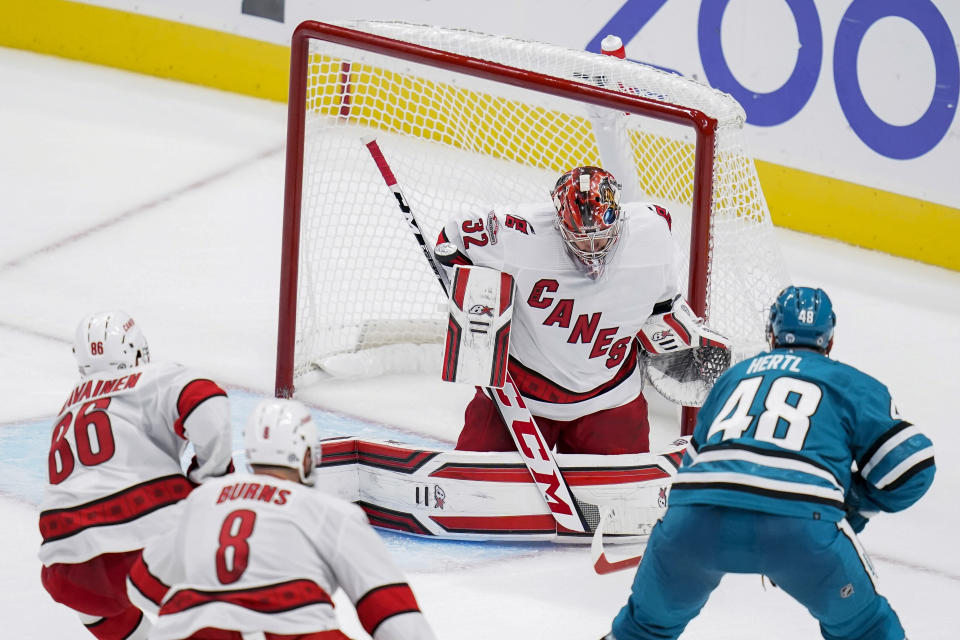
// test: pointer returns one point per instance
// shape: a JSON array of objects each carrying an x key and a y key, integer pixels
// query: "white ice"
[{"x": 118, "y": 190}]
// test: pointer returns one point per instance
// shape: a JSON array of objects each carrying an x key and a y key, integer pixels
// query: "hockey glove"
[
  {"x": 710, "y": 361},
  {"x": 674, "y": 327},
  {"x": 857, "y": 520},
  {"x": 857, "y": 505}
]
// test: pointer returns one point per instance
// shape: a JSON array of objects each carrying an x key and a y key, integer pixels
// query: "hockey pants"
[
  {"x": 97, "y": 590},
  {"x": 818, "y": 563},
  {"x": 623, "y": 429}
]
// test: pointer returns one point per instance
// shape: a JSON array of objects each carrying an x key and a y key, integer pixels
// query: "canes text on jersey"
[{"x": 585, "y": 327}]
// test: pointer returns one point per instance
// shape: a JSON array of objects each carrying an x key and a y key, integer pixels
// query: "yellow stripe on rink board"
[
  {"x": 862, "y": 216},
  {"x": 147, "y": 45}
]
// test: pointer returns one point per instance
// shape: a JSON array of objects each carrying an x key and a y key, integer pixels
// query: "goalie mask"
[
  {"x": 109, "y": 341},
  {"x": 589, "y": 218},
  {"x": 802, "y": 317},
  {"x": 280, "y": 433}
]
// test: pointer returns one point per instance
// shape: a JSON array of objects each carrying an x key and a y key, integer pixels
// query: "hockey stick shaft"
[
  {"x": 523, "y": 428},
  {"x": 392, "y": 184}
]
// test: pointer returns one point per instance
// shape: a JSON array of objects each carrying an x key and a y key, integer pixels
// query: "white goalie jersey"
[
  {"x": 254, "y": 553},
  {"x": 573, "y": 343},
  {"x": 115, "y": 458}
]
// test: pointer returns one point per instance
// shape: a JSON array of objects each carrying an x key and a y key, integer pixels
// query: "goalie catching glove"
[
  {"x": 683, "y": 357},
  {"x": 710, "y": 361}
]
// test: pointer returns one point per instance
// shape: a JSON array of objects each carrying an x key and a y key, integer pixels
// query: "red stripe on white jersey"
[
  {"x": 274, "y": 598},
  {"x": 124, "y": 506},
  {"x": 384, "y": 602},
  {"x": 192, "y": 396},
  {"x": 538, "y": 387},
  {"x": 152, "y": 588}
]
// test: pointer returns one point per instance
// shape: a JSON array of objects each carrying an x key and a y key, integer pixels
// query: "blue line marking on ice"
[{"x": 24, "y": 448}]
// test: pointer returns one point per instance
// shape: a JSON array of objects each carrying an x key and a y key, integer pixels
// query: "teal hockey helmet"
[{"x": 802, "y": 317}]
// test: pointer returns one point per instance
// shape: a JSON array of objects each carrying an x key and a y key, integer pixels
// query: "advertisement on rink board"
[{"x": 857, "y": 92}]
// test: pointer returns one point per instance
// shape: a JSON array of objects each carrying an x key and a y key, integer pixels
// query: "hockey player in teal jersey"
[{"x": 792, "y": 453}]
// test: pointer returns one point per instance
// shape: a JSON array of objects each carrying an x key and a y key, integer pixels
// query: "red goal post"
[{"x": 471, "y": 119}]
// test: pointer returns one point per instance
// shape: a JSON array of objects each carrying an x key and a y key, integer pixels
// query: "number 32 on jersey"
[{"x": 788, "y": 399}]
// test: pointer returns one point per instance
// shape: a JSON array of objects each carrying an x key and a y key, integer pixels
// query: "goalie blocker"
[{"x": 478, "y": 327}]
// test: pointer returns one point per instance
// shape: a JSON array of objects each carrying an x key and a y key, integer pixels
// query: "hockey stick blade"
[{"x": 602, "y": 564}]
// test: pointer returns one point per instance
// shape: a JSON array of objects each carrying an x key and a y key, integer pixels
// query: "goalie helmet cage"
[{"x": 471, "y": 122}]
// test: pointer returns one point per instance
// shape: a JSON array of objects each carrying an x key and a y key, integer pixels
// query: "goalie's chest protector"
[{"x": 569, "y": 328}]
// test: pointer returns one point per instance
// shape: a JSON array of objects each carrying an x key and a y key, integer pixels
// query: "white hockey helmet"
[
  {"x": 109, "y": 341},
  {"x": 280, "y": 433}
]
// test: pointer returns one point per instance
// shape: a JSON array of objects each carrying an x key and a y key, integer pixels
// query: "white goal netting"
[{"x": 458, "y": 142}]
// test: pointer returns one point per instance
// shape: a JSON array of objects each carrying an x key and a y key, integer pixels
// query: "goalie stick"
[{"x": 523, "y": 428}]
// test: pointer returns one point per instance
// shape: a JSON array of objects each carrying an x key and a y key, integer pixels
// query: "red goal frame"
[{"x": 704, "y": 127}]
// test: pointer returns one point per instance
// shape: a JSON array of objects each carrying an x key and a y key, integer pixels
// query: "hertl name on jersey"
[{"x": 784, "y": 362}]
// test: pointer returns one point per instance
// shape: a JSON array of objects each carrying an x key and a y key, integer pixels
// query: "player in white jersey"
[
  {"x": 264, "y": 552},
  {"x": 596, "y": 283},
  {"x": 115, "y": 467}
]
